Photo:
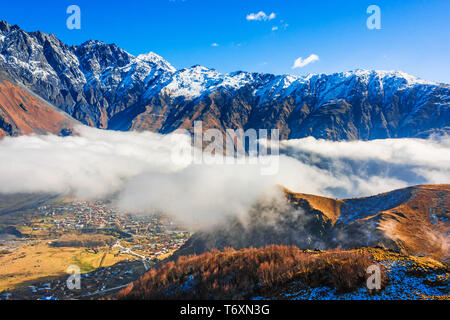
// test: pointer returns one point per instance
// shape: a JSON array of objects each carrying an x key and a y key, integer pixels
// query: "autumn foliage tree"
[{"x": 231, "y": 274}]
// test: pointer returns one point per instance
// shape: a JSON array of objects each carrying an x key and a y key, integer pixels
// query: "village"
[
  {"x": 119, "y": 247},
  {"x": 152, "y": 235}
]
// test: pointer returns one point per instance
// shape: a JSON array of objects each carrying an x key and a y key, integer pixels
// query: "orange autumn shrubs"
[{"x": 231, "y": 274}]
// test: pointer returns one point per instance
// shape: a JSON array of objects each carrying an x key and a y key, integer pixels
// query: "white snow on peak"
[
  {"x": 155, "y": 59},
  {"x": 192, "y": 82},
  {"x": 288, "y": 80},
  {"x": 198, "y": 80},
  {"x": 411, "y": 80},
  {"x": 279, "y": 86},
  {"x": 367, "y": 75},
  {"x": 153, "y": 75},
  {"x": 236, "y": 80}
]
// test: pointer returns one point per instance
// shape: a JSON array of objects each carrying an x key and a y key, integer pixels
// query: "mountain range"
[{"x": 103, "y": 86}]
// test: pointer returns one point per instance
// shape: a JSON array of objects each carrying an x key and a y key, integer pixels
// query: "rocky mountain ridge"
[{"x": 103, "y": 86}]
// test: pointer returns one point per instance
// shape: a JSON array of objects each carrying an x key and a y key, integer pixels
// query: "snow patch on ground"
[{"x": 401, "y": 286}]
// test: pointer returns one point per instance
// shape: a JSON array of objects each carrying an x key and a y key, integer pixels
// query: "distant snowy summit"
[{"x": 102, "y": 85}]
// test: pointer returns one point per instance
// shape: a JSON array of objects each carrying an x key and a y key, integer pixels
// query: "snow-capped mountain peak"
[
  {"x": 157, "y": 60},
  {"x": 104, "y": 86},
  {"x": 198, "y": 80},
  {"x": 192, "y": 82},
  {"x": 368, "y": 75}
]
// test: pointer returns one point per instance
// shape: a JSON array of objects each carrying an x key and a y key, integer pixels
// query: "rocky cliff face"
[
  {"x": 91, "y": 82},
  {"x": 104, "y": 86}
]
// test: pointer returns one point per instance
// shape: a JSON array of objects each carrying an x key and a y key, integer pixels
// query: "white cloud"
[
  {"x": 137, "y": 167},
  {"x": 214, "y": 44},
  {"x": 274, "y": 28},
  {"x": 261, "y": 16},
  {"x": 300, "y": 63}
]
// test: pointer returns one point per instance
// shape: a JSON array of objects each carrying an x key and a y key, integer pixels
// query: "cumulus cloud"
[
  {"x": 260, "y": 16},
  {"x": 214, "y": 44},
  {"x": 137, "y": 169},
  {"x": 300, "y": 63}
]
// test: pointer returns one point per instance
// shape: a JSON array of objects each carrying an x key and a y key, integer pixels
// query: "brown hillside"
[
  {"x": 22, "y": 113},
  {"x": 420, "y": 225},
  {"x": 413, "y": 221},
  {"x": 285, "y": 272},
  {"x": 251, "y": 272},
  {"x": 329, "y": 207}
]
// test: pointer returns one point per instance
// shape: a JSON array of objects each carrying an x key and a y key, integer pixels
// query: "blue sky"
[{"x": 414, "y": 35}]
